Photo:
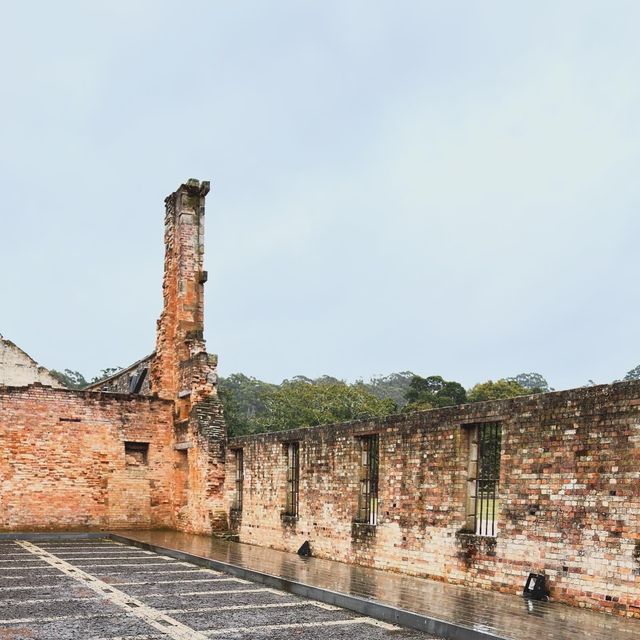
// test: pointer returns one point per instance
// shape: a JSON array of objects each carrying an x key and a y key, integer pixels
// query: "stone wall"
[
  {"x": 568, "y": 499},
  {"x": 85, "y": 460},
  {"x": 18, "y": 369},
  {"x": 132, "y": 379}
]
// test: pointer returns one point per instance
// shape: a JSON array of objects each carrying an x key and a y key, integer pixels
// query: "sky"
[{"x": 444, "y": 187}]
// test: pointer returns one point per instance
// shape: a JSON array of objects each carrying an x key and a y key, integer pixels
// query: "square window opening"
[{"x": 136, "y": 454}]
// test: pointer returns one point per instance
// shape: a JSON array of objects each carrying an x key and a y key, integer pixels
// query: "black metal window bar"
[
  {"x": 237, "y": 503},
  {"x": 484, "y": 475},
  {"x": 293, "y": 479},
  {"x": 368, "y": 498}
]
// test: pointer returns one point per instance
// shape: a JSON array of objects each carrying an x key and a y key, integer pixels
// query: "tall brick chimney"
[{"x": 182, "y": 370}]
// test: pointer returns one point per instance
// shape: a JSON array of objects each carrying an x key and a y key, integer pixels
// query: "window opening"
[
  {"x": 136, "y": 454},
  {"x": 239, "y": 480},
  {"x": 368, "y": 498},
  {"x": 293, "y": 479},
  {"x": 483, "y": 477}
]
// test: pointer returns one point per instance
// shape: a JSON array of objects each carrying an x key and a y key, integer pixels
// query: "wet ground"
[
  {"x": 100, "y": 589},
  {"x": 453, "y": 609}
]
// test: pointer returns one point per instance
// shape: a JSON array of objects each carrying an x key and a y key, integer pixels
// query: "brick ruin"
[
  {"x": 144, "y": 448},
  {"x": 480, "y": 494}
]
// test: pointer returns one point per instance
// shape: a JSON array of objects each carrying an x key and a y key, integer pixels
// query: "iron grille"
[
  {"x": 237, "y": 503},
  {"x": 293, "y": 478},
  {"x": 485, "y": 443},
  {"x": 368, "y": 498}
]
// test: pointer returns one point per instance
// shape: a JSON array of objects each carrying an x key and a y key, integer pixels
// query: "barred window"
[
  {"x": 483, "y": 477},
  {"x": 293, "y": 479},
  {"x": 239, "y": 480},
  {"x": 368, "y": 497}
]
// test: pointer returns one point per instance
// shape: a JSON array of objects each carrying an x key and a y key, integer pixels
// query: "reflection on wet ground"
[{"x": 504, "y": 616}]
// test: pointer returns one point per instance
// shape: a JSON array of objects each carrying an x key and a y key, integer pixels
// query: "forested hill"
[{"x": 253, "y": 406}]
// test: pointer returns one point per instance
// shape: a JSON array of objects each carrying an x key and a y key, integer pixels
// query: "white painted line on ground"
[
  {"x": 142, "y": 637},
  {"x": 82, "y": 616},
  {"x": 240, "y": 607},
  {"x": 75, "y": 545},
  {"x": 41, "y": 566},
  {"x": 113, "y": 556},
  {"x": 16, "y": 601},
  {"x": 155, "y": 572},
  {"x": 214, "y": 593},
  {"x": 300, "y": 625},
  {"x": 137, "y": 564},
  {"x": 31, "y": 575},
  {"x": 130, "y": 606},
  {"x": 183, "y": 581},
  {"x": 30, "y": 587}
]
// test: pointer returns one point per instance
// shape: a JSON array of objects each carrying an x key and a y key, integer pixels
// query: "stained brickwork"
[
  {"x": 182, "y": 371},
  {"x": 568, "y": 500},
  {"x": 64, "y": 462}
]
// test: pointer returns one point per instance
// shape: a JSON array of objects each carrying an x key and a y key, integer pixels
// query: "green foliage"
[
  {"x": 104, "y": 374},
  {"x": 243, "y": 398},
  {"x": 70, "y": 379},
  {"x": 75, "y": 380},
  {"x": 498, "y": 390},
  {"x": 634, "y": 374},
  {"x": 298, "y": 403},
  {"x": 394, "y": 386},
  {"x": 431, "y": 392},
  {"x": 252, "y": 406},
  {"x": 534, "y": 382}
]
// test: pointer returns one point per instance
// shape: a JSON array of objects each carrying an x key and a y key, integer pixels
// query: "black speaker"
[{"x": 536, "y": 587}]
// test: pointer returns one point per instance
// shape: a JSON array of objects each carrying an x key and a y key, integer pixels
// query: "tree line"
[{"x": 253, "y": 406}]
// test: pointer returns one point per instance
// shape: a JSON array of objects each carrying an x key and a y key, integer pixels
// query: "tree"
[
  {"x": 498, "y": 390},
  {"x": 434, "y": 391},
  {"x": 104, "y": 374},
  {"x": 534, "y": 382},
  {"x": 243, "y": 398},
  {"x": 70, "y": 379},
  {"x": 634, "y": 374},
  {"x": 298, "y": 403},
  {"x": 394, "y": 386}
]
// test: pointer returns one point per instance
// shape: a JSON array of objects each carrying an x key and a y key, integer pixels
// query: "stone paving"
[
  {"x": 494, "y": 615},
  {"x": 104, "y": 590}
]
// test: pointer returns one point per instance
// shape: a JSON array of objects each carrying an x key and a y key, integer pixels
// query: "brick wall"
[
  {"x": 64, "y": 465},
  {"x": 568, "y": 496}
]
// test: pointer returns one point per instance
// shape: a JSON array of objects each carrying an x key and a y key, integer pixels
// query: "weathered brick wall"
[
  {"x": 182, "y": 370},
  {"x": 569, "y": 495},
  {"x": 63, "y": 463}
]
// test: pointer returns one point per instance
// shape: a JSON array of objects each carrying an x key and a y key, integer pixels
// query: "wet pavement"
[
  {"x": 484, "y": 612},
  {"x": 103, "y": 590}
]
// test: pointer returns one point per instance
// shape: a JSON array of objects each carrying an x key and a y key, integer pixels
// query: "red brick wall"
[
  {"x": 63, "y": 464},
  {"x": 569, "y": 495}
]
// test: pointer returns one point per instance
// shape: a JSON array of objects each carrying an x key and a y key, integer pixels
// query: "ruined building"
[
  {"x": 480, "y": 494},
  {"x": 19, "y": 369}
]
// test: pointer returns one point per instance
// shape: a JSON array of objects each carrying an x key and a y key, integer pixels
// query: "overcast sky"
[{"x": 444, "y": 187}]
